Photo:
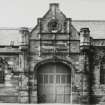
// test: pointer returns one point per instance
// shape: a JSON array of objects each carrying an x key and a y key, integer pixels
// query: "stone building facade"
[{"x": 57, "y": 63}]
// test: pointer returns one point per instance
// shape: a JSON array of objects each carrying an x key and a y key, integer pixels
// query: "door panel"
[
  {"x": 54, "y": 83},
  {"x": 60, "y": 98},
  {"x": 67, "y": 98},
  {"x": 59, "y": 89}
]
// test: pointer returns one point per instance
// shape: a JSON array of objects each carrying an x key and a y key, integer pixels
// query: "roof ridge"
[
  {"x": 88, "y": 20},
  {"x": 12, "y": 28}
]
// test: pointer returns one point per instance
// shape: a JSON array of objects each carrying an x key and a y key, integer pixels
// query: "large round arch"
[{"x": 54, "y": 81}]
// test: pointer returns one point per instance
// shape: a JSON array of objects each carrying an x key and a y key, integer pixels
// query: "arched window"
[
  {"x": 102, "y": 71},
  {"x": 2, "y": 75}
]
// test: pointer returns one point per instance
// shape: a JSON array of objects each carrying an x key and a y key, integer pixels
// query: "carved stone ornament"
[{"x": 54, "y": 26}]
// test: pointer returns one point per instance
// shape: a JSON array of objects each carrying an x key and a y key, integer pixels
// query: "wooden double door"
[{"x": 54, "y": 83}]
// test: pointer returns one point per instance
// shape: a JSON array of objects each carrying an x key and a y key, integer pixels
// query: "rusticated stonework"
[{"x": 55, "y": 63}]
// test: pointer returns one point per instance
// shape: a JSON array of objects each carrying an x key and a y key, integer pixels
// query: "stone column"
[
  {"x": 85, "y": 78},
  {"x": 23, "y": 71}
]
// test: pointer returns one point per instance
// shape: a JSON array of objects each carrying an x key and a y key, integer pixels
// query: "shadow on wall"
[{"x": 90, "y": 98}]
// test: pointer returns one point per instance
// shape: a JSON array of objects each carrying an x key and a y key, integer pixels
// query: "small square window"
[
  {"x": 68, "y": 79},
  {"x": 51, "y": 78},
  {"x": 63, "y": 79},
  {"x": 45, "y": 78},
  {"x": 58, "y": 79}
]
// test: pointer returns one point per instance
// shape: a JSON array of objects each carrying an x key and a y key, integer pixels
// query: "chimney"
[
  {"x": 24, "y": 35},
  {"x": 54, "y": 6},
  {"x": 84, "y": 37}
]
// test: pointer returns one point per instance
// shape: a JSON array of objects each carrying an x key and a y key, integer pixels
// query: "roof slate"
[
  {"x": 97, "y": 27},
  {"x": 9, "y": 34}
]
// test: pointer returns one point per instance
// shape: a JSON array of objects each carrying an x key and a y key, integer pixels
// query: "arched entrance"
[{"x": 54, "y": 83}]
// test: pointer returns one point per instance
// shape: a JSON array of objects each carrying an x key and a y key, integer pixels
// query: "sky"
[
  {"x": 20, "y": 13},
  {"x": 24, "y": 13}
]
